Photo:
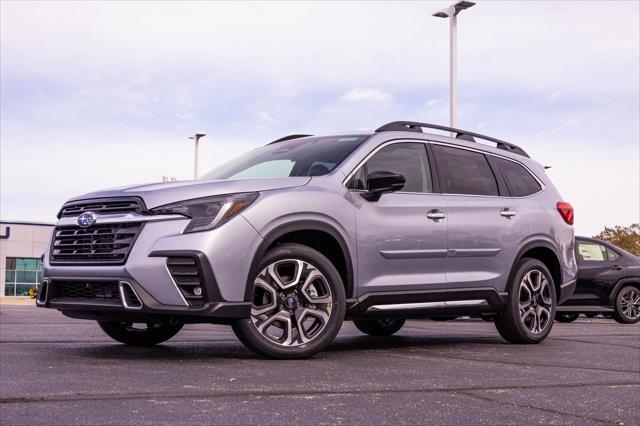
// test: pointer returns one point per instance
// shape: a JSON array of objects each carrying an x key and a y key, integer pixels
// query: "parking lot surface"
[{"x": 59, "y": 371}]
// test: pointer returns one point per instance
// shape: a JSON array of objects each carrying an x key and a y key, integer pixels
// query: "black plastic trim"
[
  {"x": 624, "y": 281},
  {"x": 495, "y": 301},
  {"x": 299, "y": 225},
  {"x": 212, "y": 292}
]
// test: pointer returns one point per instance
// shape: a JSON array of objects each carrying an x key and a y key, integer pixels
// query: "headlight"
[{"x": 210, "y": 212}]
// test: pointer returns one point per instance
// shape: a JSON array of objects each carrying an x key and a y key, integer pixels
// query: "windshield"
[{"x": 297, "y": 157}]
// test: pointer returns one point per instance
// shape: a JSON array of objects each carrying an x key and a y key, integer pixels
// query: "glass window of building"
[{"x": 21, "y": 274}]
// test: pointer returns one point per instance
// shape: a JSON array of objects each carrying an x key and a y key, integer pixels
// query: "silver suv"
[{"x": 290, "y": 239}]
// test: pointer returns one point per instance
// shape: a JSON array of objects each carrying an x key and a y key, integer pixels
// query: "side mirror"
[{"x": 380, "y": 181}]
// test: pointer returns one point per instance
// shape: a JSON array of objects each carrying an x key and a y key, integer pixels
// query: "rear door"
[
  {"x": 402, "y": 237},
  {"x": 599, "y": 269},
  {"x": 485, "y": 223}
]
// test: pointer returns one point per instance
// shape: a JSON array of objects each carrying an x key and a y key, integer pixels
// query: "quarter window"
[
  {"x": 464, "y": 172},
  {"x": 519, "y": 180},
  {"x": 408, "y": 158}
]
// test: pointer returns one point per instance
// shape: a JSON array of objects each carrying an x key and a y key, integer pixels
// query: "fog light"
[{"x": 197, "y": 291}]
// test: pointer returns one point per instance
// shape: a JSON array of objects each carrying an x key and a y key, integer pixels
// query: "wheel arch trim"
[
  {"x": 297, "y": 226},
  {"x": 619, "y": 285}
]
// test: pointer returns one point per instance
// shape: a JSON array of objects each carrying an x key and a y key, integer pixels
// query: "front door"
[{"x": 402, "y": 237}]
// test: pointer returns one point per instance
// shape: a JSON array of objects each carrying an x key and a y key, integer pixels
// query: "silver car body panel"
[{"x": 392, "y": 244}]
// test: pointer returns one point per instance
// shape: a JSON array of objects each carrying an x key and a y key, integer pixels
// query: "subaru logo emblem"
[
  {"x": 86, "y": 219},
  {"x": 291, "y": 302}
]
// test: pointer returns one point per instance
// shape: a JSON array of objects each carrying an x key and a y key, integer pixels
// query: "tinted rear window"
[
  {"x": 464, "y": 172},
  {"x": 519, "y": 180}
]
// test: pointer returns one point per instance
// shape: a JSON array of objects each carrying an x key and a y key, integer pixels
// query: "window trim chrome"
[{"x": 120, "y": 218}]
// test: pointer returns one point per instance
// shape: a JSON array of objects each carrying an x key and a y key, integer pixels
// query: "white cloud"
[
  {"x": 360, "y": 94},
  {"x": 264, "y": 118},
  {"x": 250, "y": 72}
]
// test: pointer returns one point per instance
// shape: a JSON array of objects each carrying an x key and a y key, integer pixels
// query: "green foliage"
[{"x": 626, "y": 237}]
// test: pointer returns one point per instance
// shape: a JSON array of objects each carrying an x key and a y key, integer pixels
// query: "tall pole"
[
  {"x": 451, "y": 12},
  {"x": 195, "y": 163},
  {"x": 453, "y": 69},
  {"x": 196, "y": 139}
]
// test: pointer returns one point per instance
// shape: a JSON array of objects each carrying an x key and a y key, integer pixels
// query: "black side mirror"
[{"x": 380, "y": 181}]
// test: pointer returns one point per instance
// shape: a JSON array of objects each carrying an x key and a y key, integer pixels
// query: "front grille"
[
  {"x": 102, "y": 206},
  {"x": 87, "y": 289},
  {"x": 185, "y": 271},
  {"x": 107, "y": 243}
]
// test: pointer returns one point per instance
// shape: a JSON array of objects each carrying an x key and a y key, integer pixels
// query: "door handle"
[
  {"x": 436, "y": 214},
  {"x": 616, "y": 268},
  {"x": 507, "y": 213}
]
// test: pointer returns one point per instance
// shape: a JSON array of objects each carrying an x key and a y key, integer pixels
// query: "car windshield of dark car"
[{"x": 298, "y": 157}]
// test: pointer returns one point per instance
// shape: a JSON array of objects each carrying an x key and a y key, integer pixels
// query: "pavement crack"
[
  {"x": 291, "y": 392},
  {"x": 533, "y": 407}
]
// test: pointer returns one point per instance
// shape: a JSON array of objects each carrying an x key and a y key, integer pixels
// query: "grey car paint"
[{"x": 392, "y": 244}]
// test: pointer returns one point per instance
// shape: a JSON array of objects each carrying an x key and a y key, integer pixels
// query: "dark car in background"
[{"x": 608, "y": 283}]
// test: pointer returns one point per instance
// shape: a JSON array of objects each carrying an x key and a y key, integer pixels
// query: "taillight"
[{"x": 566, "y": 211}]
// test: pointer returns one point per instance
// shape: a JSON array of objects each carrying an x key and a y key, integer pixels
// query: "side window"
[
  {"x": 464, "y": 172},
  {"x": 408, "y": 158},
  {"x": 612, "y": 255},
  {"x": 519, "y": 180},
  {"x": 591, "y": 252}
]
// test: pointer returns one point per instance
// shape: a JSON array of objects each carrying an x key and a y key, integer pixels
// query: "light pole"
[
  {"x": 196, "y": 138},
  {"x": 451, "y": 12}
]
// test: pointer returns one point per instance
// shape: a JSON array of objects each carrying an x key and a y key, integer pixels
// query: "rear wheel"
[
  {"x": 298, "y": 304},
  {"x": 566, "y": 316},
  {"x": 531, "y": 304},
  {"x": 140, "y": 334},
  {"x": 379, "y": 327},
  {"x": 627, "y": 305}
]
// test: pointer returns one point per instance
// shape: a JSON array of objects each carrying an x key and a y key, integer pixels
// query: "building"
[{"x": 21, "y": 248}]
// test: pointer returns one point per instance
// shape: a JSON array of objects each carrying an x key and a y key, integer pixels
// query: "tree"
[{"x": 626, "y": 237}]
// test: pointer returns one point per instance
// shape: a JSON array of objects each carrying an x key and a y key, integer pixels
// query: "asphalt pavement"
[{"x": 59, "y": 371}]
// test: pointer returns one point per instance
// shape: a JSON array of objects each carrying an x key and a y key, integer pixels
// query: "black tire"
[
  {"x": 623, "y": 314},
  {"x": 509, "y": 323},
  {"x": 253, "y": 339},
  {"x": 379, "y": 327},
  {"x": 136, "y": 334},
  {"x": 566, "y": 317}
]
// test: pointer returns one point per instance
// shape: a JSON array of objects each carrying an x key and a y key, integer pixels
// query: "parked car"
[
  {"x": 608, "y": 283},
  {"x": 290, "y": 239}
]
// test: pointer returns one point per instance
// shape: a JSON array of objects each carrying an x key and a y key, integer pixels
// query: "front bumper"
[{"x": 222, "y": 252}]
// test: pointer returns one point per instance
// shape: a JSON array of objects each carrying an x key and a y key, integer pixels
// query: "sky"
[{"x": 102, "y": 94}]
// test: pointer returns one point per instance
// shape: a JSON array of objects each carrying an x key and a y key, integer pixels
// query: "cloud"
[
  {"x": 250, "y": 72},
  {"x": 360, "y": 94}
]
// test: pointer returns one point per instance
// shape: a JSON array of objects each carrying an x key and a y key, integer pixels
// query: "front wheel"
[
  {"x": 379, "y": 327},
  {"x": 627, "y": 305},
  {"x": 139, "y": 334},
  {"x": 298, "y": 304},
  {"x": 566, "y": 317},
  {"x": 531, "y": 304}
]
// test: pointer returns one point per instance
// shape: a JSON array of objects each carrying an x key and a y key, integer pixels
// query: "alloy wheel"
[
  {"x": 630, "y": 304},
  {"x": 292, "y": 302},
  {"x": 535, "y": 301}
]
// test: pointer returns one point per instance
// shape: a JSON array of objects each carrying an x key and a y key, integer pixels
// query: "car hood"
[{"x": 158, "y": 194}]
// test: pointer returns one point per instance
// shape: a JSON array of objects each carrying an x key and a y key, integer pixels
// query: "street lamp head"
[
  {"x": 454, "y": 9},
  {"x": 197, "y": 136}
]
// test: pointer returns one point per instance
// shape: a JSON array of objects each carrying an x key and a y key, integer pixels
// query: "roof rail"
[
  {"x": 411, "y": 126},
  {"x": 288, "y": 137}
]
